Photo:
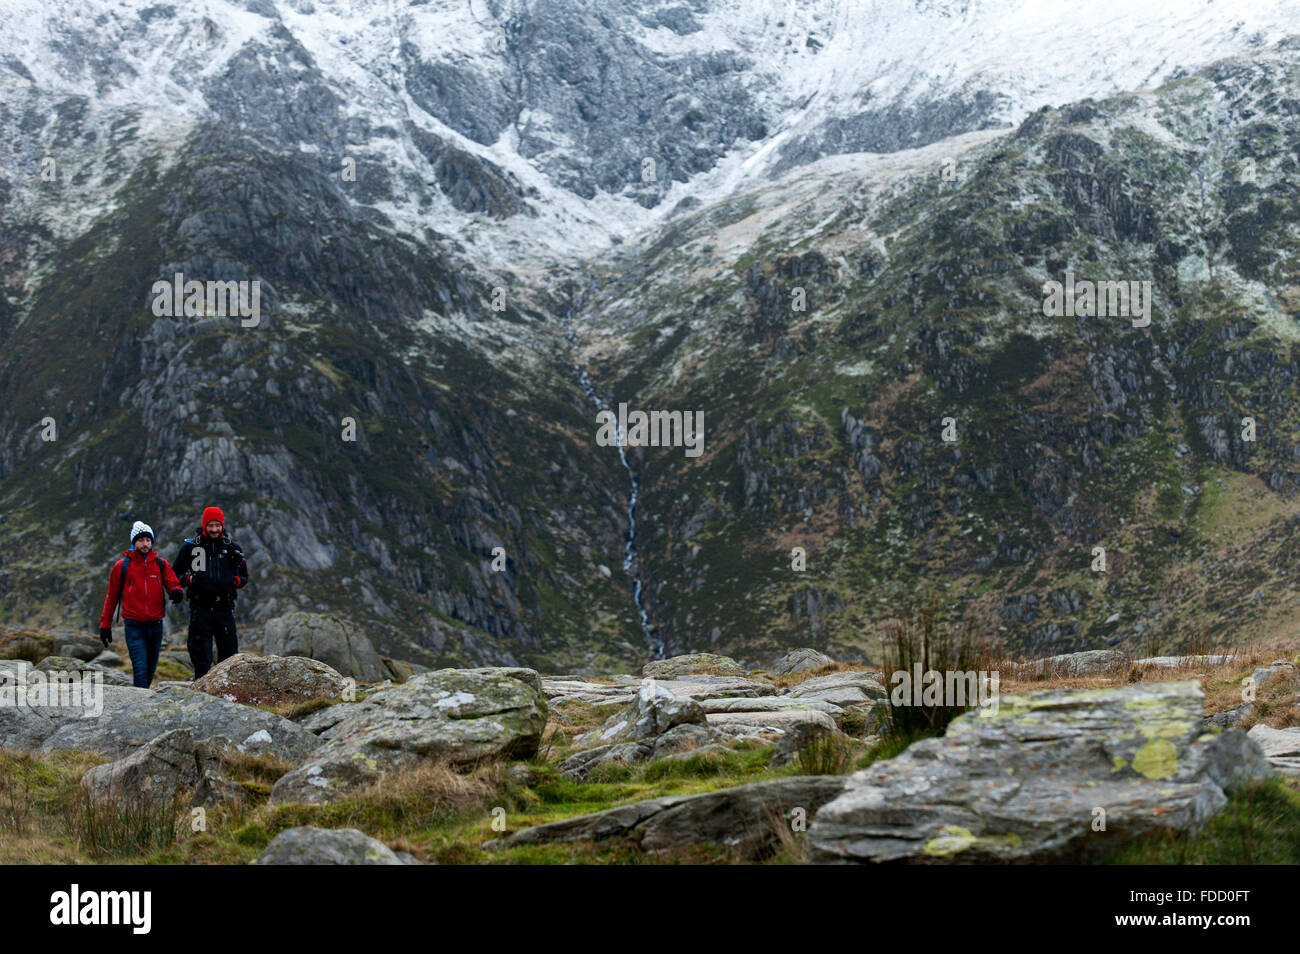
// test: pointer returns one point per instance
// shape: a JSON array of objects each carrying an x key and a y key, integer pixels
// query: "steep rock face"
[
  {"x": 903, "y": 408},
  {"x": 354, "y": 327}
]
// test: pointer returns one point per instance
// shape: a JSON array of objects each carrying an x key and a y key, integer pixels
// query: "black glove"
[
  {"x": 176, "y": 595},
  {"x": 106, "y": 635}
]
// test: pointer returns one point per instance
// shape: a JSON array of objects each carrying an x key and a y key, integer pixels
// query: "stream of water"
[{"x": 629, "y": 541}]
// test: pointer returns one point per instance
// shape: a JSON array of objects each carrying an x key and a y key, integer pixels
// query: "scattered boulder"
[
  {"x": 690, "y": 664},
  {"x": 178, "y": 657},
  {"x": 450, "y": 715},
  {"x": 399, "y": 670},
  {"x": 1231, "y": 717},
  {"x": 1281, "y": 747},
  {"x": 1092, "y": 662},
  {"x": 309, "y": 845},
  {"x": 330, "y": 639},
  {"x": 159, "y": 771},
  {"x": 69, "y": 664},
  {"x": 84, "y": 648},
  {"x": 800, "y": 660},
  {"x": 271, "y": 680},
  {"x": 26, "y": 644},
  {"x": 131, "y": 718},
  {"x": 798, "y": 737},
  {"x": 1021, "y": 783},
  {"x": 854, "y": 688},
  {"x": 683, "y": 739},
  {"x": 745, "y": 818},
  {"x": 654, "y": 711},
  {"x": 1264, "y": 675},
  {"x": 110, "y": 659}
]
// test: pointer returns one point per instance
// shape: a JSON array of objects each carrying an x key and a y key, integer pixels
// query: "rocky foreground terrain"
[{"x": 270, "y": 759}]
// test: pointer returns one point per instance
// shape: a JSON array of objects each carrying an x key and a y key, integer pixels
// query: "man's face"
[
  {"x": 214, "y": 528},
  {"x": 143, "y": 544}
]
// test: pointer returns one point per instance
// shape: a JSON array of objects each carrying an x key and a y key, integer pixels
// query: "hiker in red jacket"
[{"x": 138, "y": 581}]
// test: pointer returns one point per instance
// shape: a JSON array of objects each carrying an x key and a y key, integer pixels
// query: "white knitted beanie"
[{"x": 138, "y": 528}]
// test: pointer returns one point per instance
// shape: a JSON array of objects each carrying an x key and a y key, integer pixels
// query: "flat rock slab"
[
  {"x": 771, "y": 720},
  {"x": 717, "y": 687},
  {"x": 592, "y": 693},
  {"x": 124, "y": 718},
  {"x": 1281, "y": 747},
  {"x": 769, "y": 704},
  {"x": 843, "y": 689},
  {"x": 746, "y": 818},
  {"x": 1179, "y": 662},
  {"x": 692, "y": 663},
  {"x": 1021, "y": 784}
]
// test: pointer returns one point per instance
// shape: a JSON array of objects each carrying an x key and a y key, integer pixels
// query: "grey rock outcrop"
[
  {"x": 159, "y": 771},
  {"x": 652, "y": 712},
  {"x": 745, "y": 818},
  {"x": 329, "y": 639},
  {"x": 131, "y": 718},
  {"x": 1281, "y": 747},
  {"x": 450, "y": 715},
  {"x": 800, "y": 660},
  {"x": 1025, "y": 784}
]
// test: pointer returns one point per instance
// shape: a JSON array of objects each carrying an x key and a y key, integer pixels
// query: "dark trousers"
[
  {"x": 143, "y": 644},
  {"x": 206, "y": 624}
]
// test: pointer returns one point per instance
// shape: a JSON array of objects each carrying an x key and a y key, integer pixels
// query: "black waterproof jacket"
[{"x": 213, "y": 580}]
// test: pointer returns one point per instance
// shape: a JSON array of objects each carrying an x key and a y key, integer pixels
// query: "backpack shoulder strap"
[{"x": 121, "y": 590}]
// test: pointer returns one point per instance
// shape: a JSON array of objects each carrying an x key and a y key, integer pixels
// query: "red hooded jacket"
[{"x": 144, "y": 598}]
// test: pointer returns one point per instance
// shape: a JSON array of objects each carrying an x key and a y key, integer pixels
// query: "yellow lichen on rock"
[{"x": 1157, "y": 759}]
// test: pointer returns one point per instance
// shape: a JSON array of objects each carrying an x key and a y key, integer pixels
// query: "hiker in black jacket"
[{"x": 212, "y": 569}]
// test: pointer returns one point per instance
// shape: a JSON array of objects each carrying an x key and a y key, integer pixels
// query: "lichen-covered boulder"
[
  {"x": 271, "y": 680},
  {"x": 800, "y": 660},
  {"x": 331, "y": 639},
  {"x": 1029, "y": 780},
  {"x": 132, "y": 718},
  {"x": 450, "y": 715},
  {"x": 692, "y": 663},
  {"x": 308, "y": 845},
  {"x": 1091, "y": 662}
]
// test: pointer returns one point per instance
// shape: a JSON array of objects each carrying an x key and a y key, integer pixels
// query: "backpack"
[{"x": 124, "y": 563}]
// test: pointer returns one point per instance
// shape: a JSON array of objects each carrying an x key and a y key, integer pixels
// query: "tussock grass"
[
  {"x": 1259, "y": 826},
  {"x": 124, "y": 825}
]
